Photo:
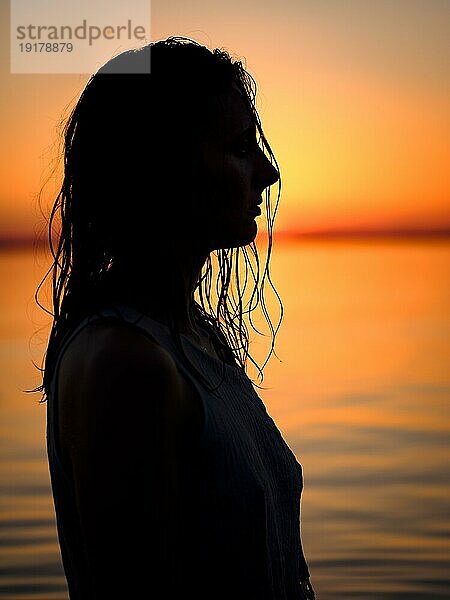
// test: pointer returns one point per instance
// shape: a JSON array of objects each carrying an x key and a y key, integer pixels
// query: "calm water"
[{"x": 362, "y": 396}]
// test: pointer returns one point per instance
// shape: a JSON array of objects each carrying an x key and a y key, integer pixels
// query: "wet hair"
[{"x": 127, "y": 134}]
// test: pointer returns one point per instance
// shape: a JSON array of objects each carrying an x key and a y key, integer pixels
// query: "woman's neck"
[{"x": 164, "y": 290}]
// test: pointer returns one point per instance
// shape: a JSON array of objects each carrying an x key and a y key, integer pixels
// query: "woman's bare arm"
[{"x": 126, "y": 424}]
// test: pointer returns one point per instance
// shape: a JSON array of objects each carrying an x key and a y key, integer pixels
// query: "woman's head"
[
  {"x": 167, "y": 156},
  {"x": 157, "y": 164}
]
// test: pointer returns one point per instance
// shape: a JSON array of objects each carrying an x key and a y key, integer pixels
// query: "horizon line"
[
  {"x": 365, "y": 232},
  {"x": 38, "y": 241}
]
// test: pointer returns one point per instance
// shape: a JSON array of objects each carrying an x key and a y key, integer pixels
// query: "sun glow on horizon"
[{"x": 354, "y": 106}]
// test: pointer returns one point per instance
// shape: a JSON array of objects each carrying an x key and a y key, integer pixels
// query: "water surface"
[{"x": 362, "y": 396}]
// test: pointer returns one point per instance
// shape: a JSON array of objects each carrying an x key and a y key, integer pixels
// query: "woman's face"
[{"x": 236, "y": 172}]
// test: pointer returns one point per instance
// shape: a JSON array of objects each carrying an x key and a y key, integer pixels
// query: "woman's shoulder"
[
  {"x": 108, "y": 342},
  {"x": 109, "y": 350},
  {"x": 111, "y": 368}
]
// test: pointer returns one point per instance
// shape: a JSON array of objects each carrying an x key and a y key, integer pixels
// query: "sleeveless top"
[{"x": 242, "y": 534}]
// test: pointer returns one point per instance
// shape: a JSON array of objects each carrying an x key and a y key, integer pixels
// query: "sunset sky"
[{"x": 354, "y": 97}]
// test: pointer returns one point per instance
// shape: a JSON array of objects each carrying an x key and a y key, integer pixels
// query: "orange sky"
[{"x": 354, "y": 98}]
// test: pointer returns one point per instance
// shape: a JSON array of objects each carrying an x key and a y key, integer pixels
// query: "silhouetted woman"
[{"x": 169, "y": 478}]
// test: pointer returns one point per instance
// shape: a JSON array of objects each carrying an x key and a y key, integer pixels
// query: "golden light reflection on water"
[
  {"x": 362, "y": 397},
  {"x": 362, "y": 313}
]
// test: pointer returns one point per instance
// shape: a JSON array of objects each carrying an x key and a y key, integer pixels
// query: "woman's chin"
[{"x": 245, "y": 236}]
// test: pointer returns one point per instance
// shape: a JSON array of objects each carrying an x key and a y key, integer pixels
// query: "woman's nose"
[{"x": 268, "y": 174}]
